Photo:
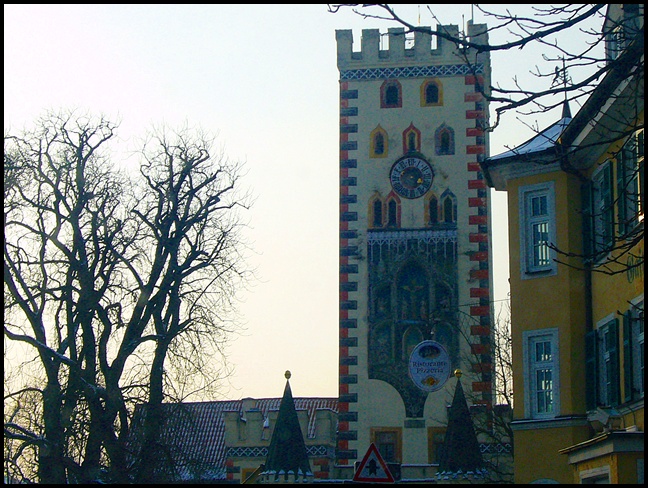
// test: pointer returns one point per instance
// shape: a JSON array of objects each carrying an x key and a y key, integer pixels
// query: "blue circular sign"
[{"x": 429, "y": 366}]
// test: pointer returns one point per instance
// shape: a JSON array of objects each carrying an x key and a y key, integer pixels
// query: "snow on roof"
[{"x": 540, "y": 142}]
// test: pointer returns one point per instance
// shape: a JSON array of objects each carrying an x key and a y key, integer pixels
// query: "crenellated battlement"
[{"x": 422, "y": 50}]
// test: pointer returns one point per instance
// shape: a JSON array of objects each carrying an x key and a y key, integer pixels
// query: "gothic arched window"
[
  {"x": 377, "y": 211},
  {"x": 433, "y": 210},
  {"x": 449, "y": 207},
  {"x": 444, "y": 141},
  {"x": 391, "y": 94},
  {"x": 431, "y": 93},
  {"x": 411, "y": 139},
  {"x": 392, "y": 214},
  {"x": 378, "y": 143}
]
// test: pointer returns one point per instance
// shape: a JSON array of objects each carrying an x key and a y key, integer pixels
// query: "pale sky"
[{"x": 264, "y": 78}]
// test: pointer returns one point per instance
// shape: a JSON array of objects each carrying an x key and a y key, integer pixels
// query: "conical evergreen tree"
[
  {"x": 460, "y": 448},
  {"x": 287, "y": 451}
]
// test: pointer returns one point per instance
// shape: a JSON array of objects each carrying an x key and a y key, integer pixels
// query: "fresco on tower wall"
[{"x": 412, "y": 298}]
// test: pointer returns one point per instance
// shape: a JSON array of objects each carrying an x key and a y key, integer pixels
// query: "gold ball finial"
[
  {"x": 458, "y": 373},
  {"x": 287, "y": 374}
]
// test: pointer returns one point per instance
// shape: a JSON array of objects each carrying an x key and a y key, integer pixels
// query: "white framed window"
[
  {"x": 537, "y": 225},
  {"x": 541, "y": 373}
]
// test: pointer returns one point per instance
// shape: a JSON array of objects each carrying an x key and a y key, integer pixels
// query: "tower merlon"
[
  {"x": 477, "y": 33},
  {"x": 422, "y": 49}
]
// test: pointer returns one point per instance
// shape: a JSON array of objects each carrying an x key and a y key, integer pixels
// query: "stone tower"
[{"x": 414, "y": 237}]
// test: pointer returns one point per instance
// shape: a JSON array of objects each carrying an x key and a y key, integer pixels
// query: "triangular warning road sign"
[{"x": 373, "y": 468}]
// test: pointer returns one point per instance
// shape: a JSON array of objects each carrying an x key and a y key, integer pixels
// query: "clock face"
[{"x": 411, "y": 177}]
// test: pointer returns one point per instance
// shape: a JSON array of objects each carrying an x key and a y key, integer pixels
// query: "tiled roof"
[{"x": 195, "y": 432}]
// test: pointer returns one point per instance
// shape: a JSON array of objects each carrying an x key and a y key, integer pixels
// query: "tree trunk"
[
  {"x": 152, "y": 455},
  {"x": 51, "y": 460}
]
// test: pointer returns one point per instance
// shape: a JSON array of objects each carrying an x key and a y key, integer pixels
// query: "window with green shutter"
[
  {"x": 627, "y": 356},
  {"x": 633, "y": 351},
  {"x": 603, "y": 210},
  {"x": 591, "y": 370},
  {"x": 586, "y": 212},
  {"x": 629, "y": 185},
  {"x": 608, "y": 368}
]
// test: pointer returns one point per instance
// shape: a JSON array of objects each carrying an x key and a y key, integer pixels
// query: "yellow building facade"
[{"x": 576, "y": 209}]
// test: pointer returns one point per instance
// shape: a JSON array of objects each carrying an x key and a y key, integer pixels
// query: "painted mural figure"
[{"x": 412, "y": 294}]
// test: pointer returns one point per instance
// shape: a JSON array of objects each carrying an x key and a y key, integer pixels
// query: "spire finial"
[
  {"x": 458, "y": 373},
  {"x": 287, "y": 374},
  {"x": 562, "y": 77}
]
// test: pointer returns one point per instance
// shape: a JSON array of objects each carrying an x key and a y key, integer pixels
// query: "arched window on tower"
[
  {"x": 449, "y": 204},
  {"x": 393, "y": 210},
  {"x": 431, "y": 93},
  {"x": 392, "y": 214},
  {"x": 377, "y": 217},
  {"x": 376, "y": 212},
  {"x": 411, "y": 139},
  {"x": 391, "y": 94},
  {"x": 444, "y": 141},
  {"x": 378, "y": 143},
  {"x": 432, "y": 209}
]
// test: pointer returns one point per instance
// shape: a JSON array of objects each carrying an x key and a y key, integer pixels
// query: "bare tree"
[
  {"x": 492, "y": 422},
  {"x": 109, "y": 274},
  {"x": 610, "y": 51}
]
